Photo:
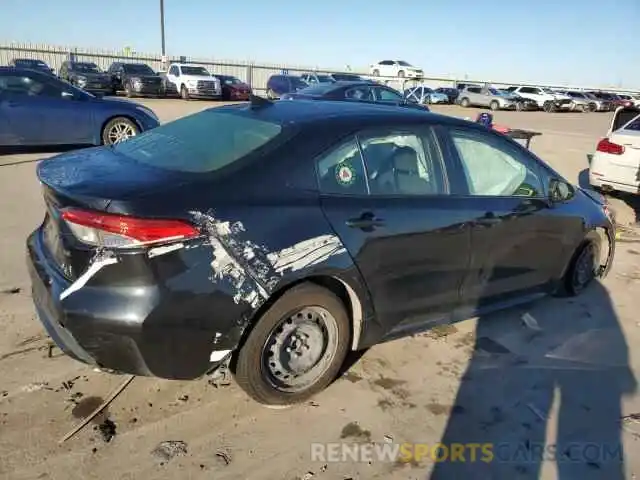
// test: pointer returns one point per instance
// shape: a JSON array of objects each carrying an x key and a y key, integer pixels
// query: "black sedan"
[
  {"x": 364, "y": 91},
  {"x": 300, "y": 231}
]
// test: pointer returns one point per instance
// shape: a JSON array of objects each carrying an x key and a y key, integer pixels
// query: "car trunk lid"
[{"x": 78, "y": 190}]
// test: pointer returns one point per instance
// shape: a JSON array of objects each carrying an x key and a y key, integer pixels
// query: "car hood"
[
  {"x": 559, "y": 96},
  {"x": 93, "y": 76},
  {"x": 144, "y": 77},
  {"x": 200, "y": 77},
  {"x": 239, "y": 86}
]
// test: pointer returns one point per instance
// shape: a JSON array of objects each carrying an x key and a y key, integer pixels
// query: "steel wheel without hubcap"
[
  {"x": 118, "y": 130},
  {"x": 296, "y": 348},
  {"x": 300, "y": 349}
]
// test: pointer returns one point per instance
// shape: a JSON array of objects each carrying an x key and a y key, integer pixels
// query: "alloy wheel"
[{"x": 120, "y": 132}]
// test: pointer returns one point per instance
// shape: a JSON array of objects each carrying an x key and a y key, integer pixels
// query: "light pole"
[{"x": 162, "y": 27}]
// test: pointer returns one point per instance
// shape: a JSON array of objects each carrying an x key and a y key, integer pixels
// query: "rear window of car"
[{"x": 203, "y": 142}]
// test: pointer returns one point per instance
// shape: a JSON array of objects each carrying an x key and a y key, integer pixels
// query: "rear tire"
[
  {"x": 308, "y": 324},
  {"x": 376, "y": 73},
  {"x": 401, "y": 74},
  {"x": 519, "y": 106},
  {"x": 465, "y": 102}
]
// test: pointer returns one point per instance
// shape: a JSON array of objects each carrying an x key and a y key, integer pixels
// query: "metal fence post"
[{"x": 249, "y": 75}]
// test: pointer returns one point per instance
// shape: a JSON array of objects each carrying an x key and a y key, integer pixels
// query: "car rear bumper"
[{"x": 135, "y": 330}]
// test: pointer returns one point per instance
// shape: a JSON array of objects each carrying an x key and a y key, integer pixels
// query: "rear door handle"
[{"x": 365, "y": 221}]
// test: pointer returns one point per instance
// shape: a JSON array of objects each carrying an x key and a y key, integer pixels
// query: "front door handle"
[{"x": 365, "y": 221}]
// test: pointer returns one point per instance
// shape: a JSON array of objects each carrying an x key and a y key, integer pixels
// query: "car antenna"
[{"x": 256, "y": 102}]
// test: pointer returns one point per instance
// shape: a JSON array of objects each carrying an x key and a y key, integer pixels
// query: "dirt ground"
[{"x": 487, "y": 380}]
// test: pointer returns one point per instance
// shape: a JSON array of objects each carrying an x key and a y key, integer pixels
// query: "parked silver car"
[
  {"x": 603, "y": 104},
  {"x": 488, "y": 97},
  {"x": 580, "y": 101},
  {"x": 422, "y": 94}
]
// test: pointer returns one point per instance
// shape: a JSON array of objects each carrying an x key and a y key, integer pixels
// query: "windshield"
[
  {"x": 229, "y": 80},
  {"x": 404, "y": 64},
  {"x": 577, "y": 95},
  {"x": 194, "y": 71},
  {"x": 85, "y": 67},
  {"x": 324, "y": 78},
  {"x": 548, "y": 91},
  {"x": 203, "y": 142},
  {"x": 138, "y": 68},
  {"x": 25, "y": 62},
  {"x": 297, "y": 82},
  {"x": 316, "y": 89}
]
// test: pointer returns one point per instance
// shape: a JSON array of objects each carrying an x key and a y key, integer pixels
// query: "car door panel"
[
  {"x": 515, "y": 247},
  {"x": 411, "y": 250}
]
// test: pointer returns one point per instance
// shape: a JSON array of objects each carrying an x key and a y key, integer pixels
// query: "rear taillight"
[
  {"x": 606, "y": 146},
  {"x": 121, "y": 231}
]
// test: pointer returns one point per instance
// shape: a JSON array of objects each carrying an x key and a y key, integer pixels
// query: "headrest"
[{"x": 406, "y": 159}]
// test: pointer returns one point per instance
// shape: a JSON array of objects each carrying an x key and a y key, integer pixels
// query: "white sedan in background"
[
  {"x": 616, "y": 163},
  {"x": 395, "y": 68}
]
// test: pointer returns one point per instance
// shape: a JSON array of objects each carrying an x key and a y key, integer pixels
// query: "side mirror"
[{"x": 559, "y": 191}]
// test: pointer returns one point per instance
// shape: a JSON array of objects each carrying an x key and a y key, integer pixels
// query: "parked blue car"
[
  {"x": 278, "y": 85},
  {"x": 37, "y": 109}
]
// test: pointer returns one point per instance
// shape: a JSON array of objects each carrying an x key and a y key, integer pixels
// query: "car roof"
[
  {"x": 19, "y": 70},
  {"x": 316, "y": 112}
]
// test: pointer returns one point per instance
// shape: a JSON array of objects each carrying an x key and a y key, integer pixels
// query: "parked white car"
[
  {"x": 193, "y": 81},
  {"x": 615, "y": 165},
  {"x": 547, "y": 99},
  {"x": 395, "y": 68}
]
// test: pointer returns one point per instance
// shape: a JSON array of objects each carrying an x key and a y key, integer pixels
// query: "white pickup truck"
[{"x": 192, "y": 81}]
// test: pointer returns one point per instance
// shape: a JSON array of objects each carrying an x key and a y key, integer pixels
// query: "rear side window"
[
  {"x": 202, "y": 142},
  {"x": 341, "y": 171}
]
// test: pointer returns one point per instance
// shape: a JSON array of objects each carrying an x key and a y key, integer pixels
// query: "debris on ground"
[
  {"x": 224, "y": 457},
  {"x": 308, "y": 476},
  {"x": 35, "y": 387},
  {"x": 221, "y": 376},
  {"x": 313, "y": 403},
  {"x": 107, "y": 429},
  {"x": 168, "y": 449},
  {"x": 11, "y": 291},
  {"x": 388, "y": 439},
  {"x": 99, "y": 409},
  {"x": 183, "y": 398},
  {"x": 530, "y": 322}
]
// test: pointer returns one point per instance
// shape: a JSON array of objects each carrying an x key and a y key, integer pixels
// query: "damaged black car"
[{"x": 298, "y": 232}]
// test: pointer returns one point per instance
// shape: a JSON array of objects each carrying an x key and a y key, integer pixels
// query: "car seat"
[{"x": 404, "y": 175}]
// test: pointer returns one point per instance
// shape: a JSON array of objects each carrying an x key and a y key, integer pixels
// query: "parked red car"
[{"x": 233, "y": 88}]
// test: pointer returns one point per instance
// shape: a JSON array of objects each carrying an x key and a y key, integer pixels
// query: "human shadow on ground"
[{"x": 516, "y": 377}]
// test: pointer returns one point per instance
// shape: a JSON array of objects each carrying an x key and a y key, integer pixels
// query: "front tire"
[
  {"x": 465, "y": 102},
  {"x": 296, "y": 349},
  {"x": 128, "y": 90},
  {"x": 118, "y": 130},
  {"x": 494, "y": 105},
  {"x": 184, "y": 93},
  {"x": 582, "y": 270}
]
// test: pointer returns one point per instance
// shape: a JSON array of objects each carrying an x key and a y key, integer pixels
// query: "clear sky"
[{"x": 565, "y": 41}]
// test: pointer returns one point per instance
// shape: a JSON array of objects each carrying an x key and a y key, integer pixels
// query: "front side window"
[
  {"x": 341, "y": 171},
  {"x": 187, "y": 144},
  {"x": 386, "y": 95},
  {"x": 493, "y": 167},
  {"x": 362, "y": 93},
  {"x": 402, "y": 163}
]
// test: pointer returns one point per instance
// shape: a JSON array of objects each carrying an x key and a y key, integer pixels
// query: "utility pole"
[{"x": 164, "y": 52}]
